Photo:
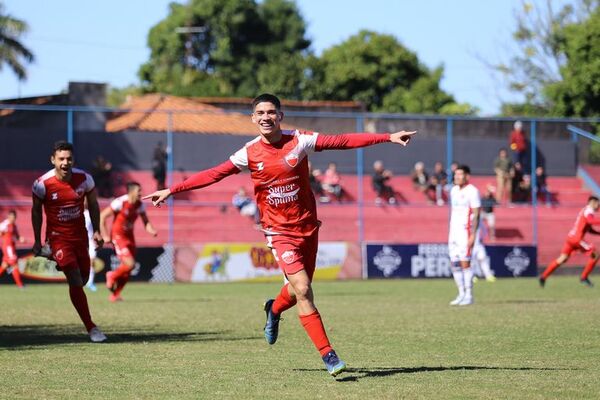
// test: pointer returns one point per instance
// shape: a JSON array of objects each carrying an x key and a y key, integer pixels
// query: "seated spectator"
[
  {"x": 516, "y": 177},
  {"x": 245, "y": 205},
  {"x": 421, "y": 181},
  {"x": 331, "y": 182},
  {"x": 502, "y": 168},
  {"x": 541, "y": 185},
  {"x": 379, "y": 179},
  {"x": 315, "y": 176},
  {"x": 523, "y": 192},
  {"x": 488, "y": 201},
  {"x": 439, "y": 180},
  {"x": 101, "y": 173}
]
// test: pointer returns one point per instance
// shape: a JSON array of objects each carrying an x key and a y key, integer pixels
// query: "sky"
[{"x": 105, "y": 41}]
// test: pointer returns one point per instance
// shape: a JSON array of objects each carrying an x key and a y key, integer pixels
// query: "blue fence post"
[
  {"x": 534, "y": 181},
  {"x": 70, "y": 126},
  {"x": 360, "y": 156},
  {"x": 170, "y": 202},
  {"x": 449, "y": 146}
]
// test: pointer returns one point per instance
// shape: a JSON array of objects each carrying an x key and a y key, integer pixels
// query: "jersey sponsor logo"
[
  {"x": 517, "y": 261},
  {"x": 292, "y": 159},
  {"x": 260, "y": 166},
  {"x": 289, "y": 256},
  {"x": 282, "y": 194},
  {"x": 387, "y": 260},
  {"x": 68, "y": 213}
]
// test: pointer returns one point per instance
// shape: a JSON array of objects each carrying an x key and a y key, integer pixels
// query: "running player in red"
[
  {"x": 10, "y": 234},
  {"x": 60, "y": 192},
  {"x": 583, "y": 224},
  {"x": 125, "y": 210},
  {"x": 278, "y": 165}
]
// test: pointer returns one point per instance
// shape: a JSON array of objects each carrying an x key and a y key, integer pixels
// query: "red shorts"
[
  {"x": 71, "y": 255},
  {"x": 294, "y": 254},
  {"x": 9, "y": 255},
  {"x": 583, "y": 246},
  {"x": 124, "y": 247}
]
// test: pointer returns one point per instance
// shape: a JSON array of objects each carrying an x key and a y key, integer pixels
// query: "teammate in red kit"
[
  {"x": 125, "y": 210},
  {"x": 278, "y": 165},
  {"x": 60, "y": 192},
  {"x": 583, "y": 224},
  {"x": 10, "y": 234}
]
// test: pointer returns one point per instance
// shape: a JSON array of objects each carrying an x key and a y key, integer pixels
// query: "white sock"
[
  {"x": 484, "y": 264},
  {"x": 468, "y": 278},
  {"x": 90, "y": 281},
  {"x": 457, "y": 273}
]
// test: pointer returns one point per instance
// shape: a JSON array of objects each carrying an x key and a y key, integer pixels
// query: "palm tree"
[{"x": 12, "y": 51}]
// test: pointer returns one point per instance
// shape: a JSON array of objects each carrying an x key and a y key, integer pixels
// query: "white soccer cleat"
[
  {"x": 457, "y": 300},
  {"x": 96, "y": 335},
  {"x": 466, "y": 301}
]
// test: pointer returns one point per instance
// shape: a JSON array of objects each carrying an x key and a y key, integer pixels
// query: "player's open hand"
[
  {"x": 158, "y": 197},
  {"x": 402, "y": 137}
]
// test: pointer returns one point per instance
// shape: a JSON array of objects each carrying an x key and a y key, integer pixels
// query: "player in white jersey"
[{"x": 463, "y": 233}]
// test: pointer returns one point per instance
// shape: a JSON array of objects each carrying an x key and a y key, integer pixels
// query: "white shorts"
[{"x": 458, "y": 248}]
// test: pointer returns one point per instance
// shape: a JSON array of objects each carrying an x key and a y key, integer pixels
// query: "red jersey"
[
  {"x": 63, "y": 204},
  {"x": 9, "y": 233},
  {"x": 583, "y": 223},
  {"x": 280, "y": 175},
  {"x": 517, "y": 138},
  {"x": 125, "y": 215}
]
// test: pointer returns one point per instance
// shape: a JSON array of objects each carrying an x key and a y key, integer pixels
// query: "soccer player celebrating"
[
  {"x": 278, "y": 165},
  {"x": 125, "y": 210},
  {"x": 583, "y": 224},
  {"x": 60, "y": 192},
  {"x": 10, "y": 233},
  {"x": 465, "y": 204}
]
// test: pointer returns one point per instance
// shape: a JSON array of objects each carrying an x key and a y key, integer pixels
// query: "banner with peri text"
[
  {"x": 225, "y": 262},
  {"x": 430, "y": 260}
]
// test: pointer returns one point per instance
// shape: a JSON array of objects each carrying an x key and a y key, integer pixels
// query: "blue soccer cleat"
[
  {"x": 272, "y": 324},
  {"x": 334, "y": 365}
]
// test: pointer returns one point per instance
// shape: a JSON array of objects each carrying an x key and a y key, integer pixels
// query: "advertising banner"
[{"x": 430, "y": 260}]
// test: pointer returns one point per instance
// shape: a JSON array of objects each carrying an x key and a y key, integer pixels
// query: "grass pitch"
[{"x": 399, "y": 338}]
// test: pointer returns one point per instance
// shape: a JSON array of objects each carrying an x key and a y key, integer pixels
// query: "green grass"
[{"x": 400, "y": 339}]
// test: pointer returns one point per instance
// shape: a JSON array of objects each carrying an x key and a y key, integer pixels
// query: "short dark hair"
[
  {"x": 13, "y": 211},
  {"x": 131, "y": 185},
  {"x": 62, "y": 145},
  {"x": 592, "y": 198},
  {"x": 464, "y": 168},
  {"x": 266, "y": 98}
]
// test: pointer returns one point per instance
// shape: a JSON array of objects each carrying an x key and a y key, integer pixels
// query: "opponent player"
[
  {"x": 61, "y": 192},
  {"x": 464, "y": 224},
  {"x": 278, "y": 165},
  {"x": 10, "y": 233},
  {"x": 125, "y": 210},
  {"x": 583, "y": 224}
]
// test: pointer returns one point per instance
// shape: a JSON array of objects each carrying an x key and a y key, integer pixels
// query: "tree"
[
  {"x": 379, "y": 71},
  {"x": 12, "y": 52},
  {"x": 227, "y": 48}
]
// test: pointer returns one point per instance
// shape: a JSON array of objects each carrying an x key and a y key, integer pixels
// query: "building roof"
[{"x": 148, "y": 113}]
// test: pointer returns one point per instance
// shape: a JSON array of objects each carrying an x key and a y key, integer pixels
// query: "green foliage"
[
  {"x": 12, "y": 51},
  {"x": 117, "y": 96}
]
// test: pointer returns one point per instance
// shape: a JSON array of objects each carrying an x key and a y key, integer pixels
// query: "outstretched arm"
[
  {"x": 356, "y": 140},
  {"x": 196, "y": 181}
]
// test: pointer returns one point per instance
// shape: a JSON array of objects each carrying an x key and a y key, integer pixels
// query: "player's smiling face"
[
  {"x": 63, "y": 163},
  {"x": 268, "y": 119},
  {"x": 460, "y": 178}
]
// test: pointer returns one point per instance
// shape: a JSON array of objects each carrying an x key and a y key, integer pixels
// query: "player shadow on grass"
[
  {"x": 31, "y": 336},
  {"x": 378, "y": 372}
]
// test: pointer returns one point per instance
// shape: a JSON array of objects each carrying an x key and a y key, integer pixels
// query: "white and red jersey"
[
  {"x": 63, "y": 204},
  {"x": 462, "y": 202},
  {"x": 585, "y": 219},
  {"x": 280, "y": 175},
  {"x": 125, "y": 215},
  {"x": 9, "y": 233}
]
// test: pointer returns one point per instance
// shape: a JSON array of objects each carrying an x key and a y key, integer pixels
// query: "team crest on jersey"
[
  {"x": 289, "y": 256},
  {"x": 59, "y": 255},
  {"x": 292, "y": 159}
]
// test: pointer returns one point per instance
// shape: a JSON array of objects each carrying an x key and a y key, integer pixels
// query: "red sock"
[
  {"x": 553, "y": 265},
  {"x": 121, "y": 282},
  {"x": 80, "y": 303},
  {"x": 17, "y": 276},
  {"x": 316, "y": 331},
  {"x": 2, "y": 271},
  {"x": 588, "y": 268},
  {"x": 121, "y": 271},
  {"x": 283, "y": 301}
]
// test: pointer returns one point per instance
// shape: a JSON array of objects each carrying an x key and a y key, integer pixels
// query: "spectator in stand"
[
  {"x": 245, "y": 205},
  {"x": 439, "y": 181},
  {"x": 516, "y": 177},
  {"x": 315, "y": 176},
  {"x": 380, "y": 178},
  {"x": 487, "y": 211},
  {"x": 331, "y": 182},
  {"x": 421, "y": 181},
  {"x": 502, "y": 167},
  {"x": 159, "y": 165},
  {"x": 523, "y": 192},
  {"x": 542, "y": 186},
  {"x": 101, "y": 173},
  {"x": 518, "y": 144},
  {"x": 453, "y": 167}
]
